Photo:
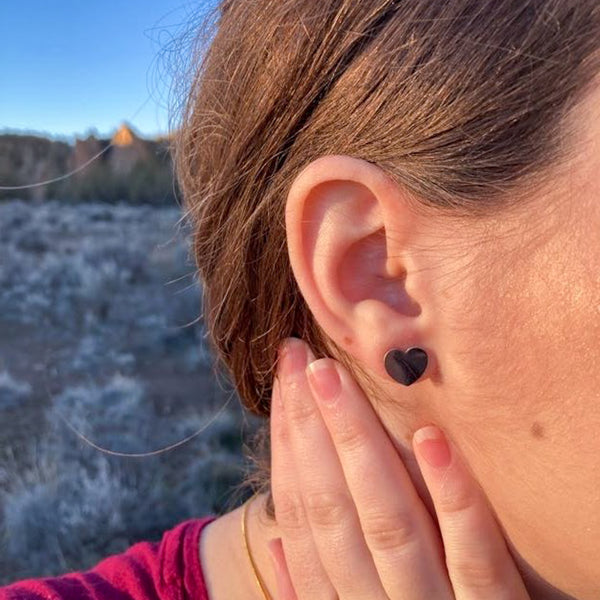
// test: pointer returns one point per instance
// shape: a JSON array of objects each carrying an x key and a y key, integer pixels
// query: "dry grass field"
[{"x": 100, "y": 332}]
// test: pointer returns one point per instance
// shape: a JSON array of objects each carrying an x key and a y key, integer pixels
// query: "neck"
[
  {"x": 229, "y": 574},
  {"x": 225, "y": 562}
]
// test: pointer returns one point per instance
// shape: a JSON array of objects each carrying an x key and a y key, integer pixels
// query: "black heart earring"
[{"x": 406, "y": 366}]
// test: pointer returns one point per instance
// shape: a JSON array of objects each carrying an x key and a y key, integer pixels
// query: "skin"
[
  {"x": 365, "y": 521},
  {"x": 508, "y": 308}
]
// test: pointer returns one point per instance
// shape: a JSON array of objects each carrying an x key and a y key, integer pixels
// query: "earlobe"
[{"x": 349, "y": 241}]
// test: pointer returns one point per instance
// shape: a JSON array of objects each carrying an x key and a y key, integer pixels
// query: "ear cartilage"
[{"x": 406, "y": 366}]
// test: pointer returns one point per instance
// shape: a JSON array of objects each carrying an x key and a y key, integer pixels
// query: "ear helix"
[{"x": 406, "y": 366}]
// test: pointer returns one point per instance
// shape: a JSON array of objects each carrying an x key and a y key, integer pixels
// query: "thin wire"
[{"x": 10, "y": 188}]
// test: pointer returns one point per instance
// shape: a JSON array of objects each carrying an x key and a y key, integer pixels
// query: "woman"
[{"x": 412, "y": 188}]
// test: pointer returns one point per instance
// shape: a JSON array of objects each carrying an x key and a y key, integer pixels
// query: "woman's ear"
[{"x": 352, "y": 240}]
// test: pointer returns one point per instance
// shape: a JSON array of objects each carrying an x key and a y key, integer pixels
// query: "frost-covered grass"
[
  {"x": 11, "y": 390},
  {"x": 100, "y": 338},
  {"x": 75, "y": 504}
]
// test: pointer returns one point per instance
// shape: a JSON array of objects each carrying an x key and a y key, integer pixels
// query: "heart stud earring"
[{"x": 406, "y": 366}]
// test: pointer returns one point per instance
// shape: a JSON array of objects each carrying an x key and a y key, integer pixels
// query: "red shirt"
[{"x": 165, "y": 570}]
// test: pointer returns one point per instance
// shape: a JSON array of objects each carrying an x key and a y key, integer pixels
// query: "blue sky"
[{"x": 70, "y": 66}]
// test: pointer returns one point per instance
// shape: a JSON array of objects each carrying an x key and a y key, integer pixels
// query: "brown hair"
[{"x": 459, "y": 101}]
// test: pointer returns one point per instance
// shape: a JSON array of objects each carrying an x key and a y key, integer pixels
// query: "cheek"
[
  {"x": 528, "y": 415},
  {"x": 532, "y": 334}
]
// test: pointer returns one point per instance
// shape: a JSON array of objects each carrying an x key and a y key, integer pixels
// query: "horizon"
[
  {"x": 71, "y": 139},
  {"x": 73, "y": 69}
]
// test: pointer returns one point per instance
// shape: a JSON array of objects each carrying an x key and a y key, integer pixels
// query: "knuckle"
[
  {"x": 476, "y": 575},
  {"x": 454, "y": 500},
  {"x": 385, "y": 533},
  {"x": 352, "y": 437},
  {"x": 327, "y": 509},
  {"x": 289, "y": 512},
  {"x": 297, "y": 408},
  {"x": 279, "y": 432}
]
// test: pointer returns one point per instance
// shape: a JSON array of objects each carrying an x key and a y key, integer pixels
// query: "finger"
[
  {"x": 396, "y": 525},
  {"x": 328, "y": 504},
  {"x": 478, "y": 560},
  {"x": 285, "y": 588},
  {"x": 302, "y": 558}
]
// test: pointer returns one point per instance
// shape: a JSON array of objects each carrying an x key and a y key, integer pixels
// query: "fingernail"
[
  {"x": 324, "y": 379},
  {"x": 433, "y": 446},
  {"x": 293, "y": 356}
]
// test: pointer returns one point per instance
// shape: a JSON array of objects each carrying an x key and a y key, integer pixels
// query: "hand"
[{"x": 352, "y": 523}]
